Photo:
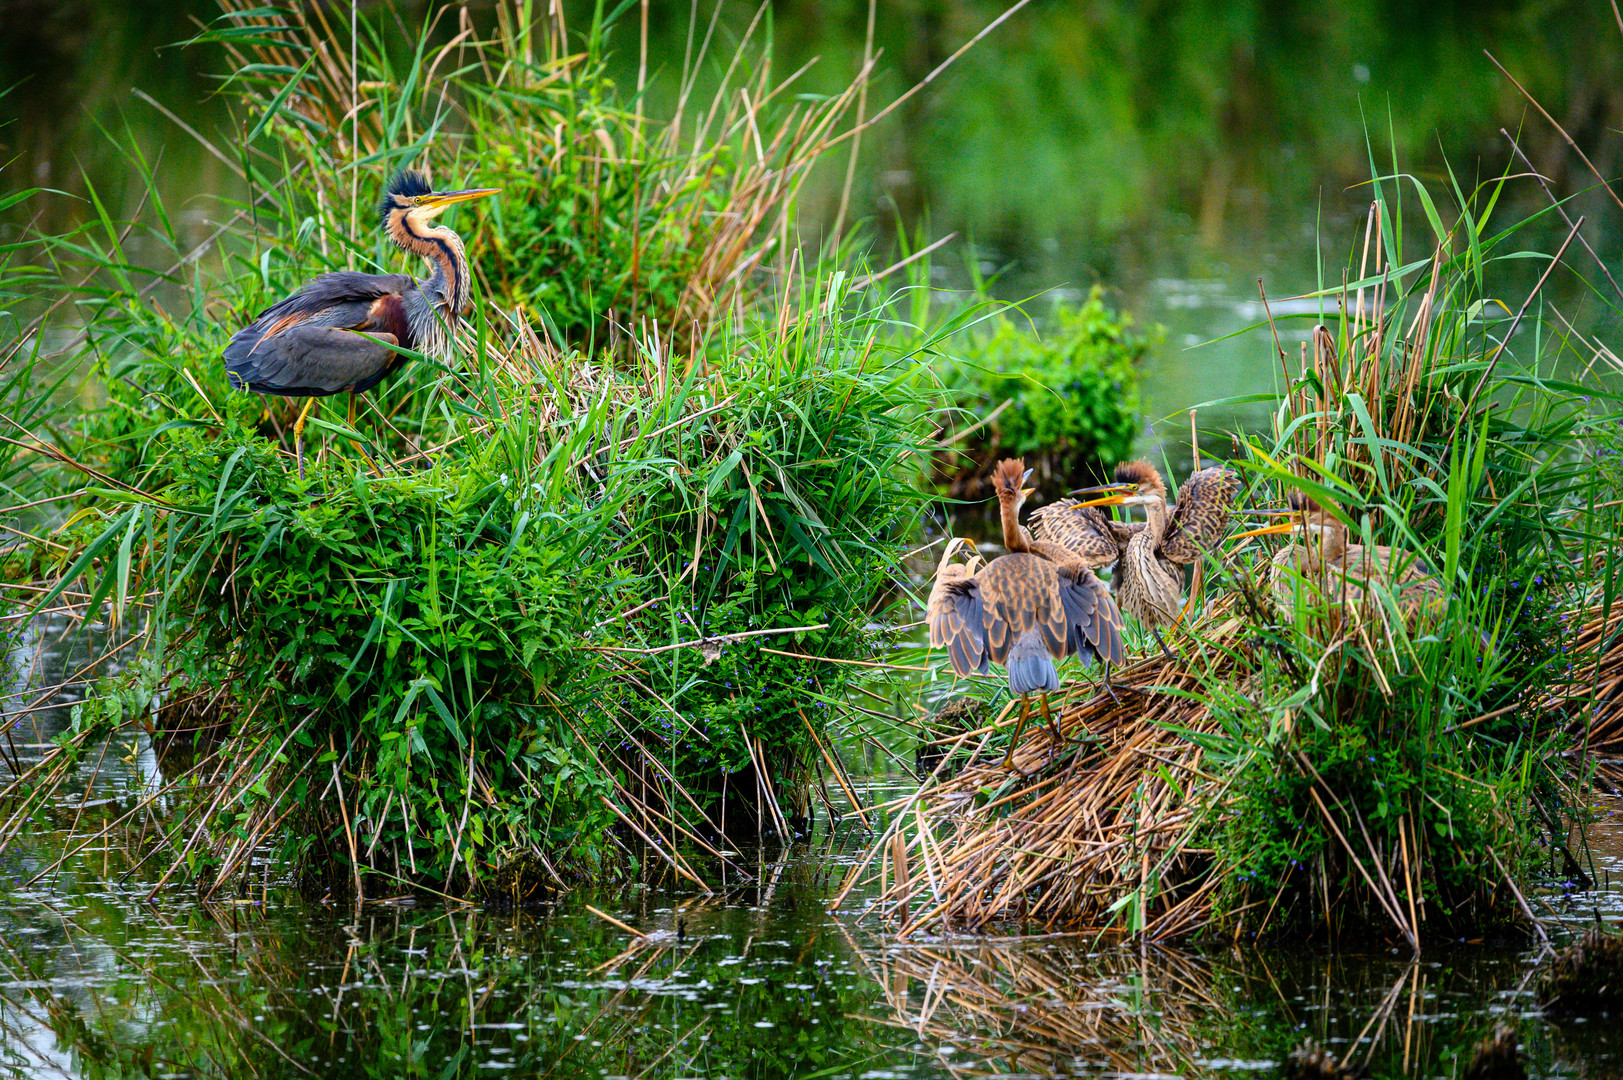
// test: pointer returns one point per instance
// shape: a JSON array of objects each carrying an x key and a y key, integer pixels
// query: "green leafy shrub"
[
  {"x": 796, "y": 503},
  {"x": 414, "y": 643},
  {"x": 1072, "y": 393}
]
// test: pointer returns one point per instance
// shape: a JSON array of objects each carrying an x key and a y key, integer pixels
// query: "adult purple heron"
[
  {"x": 1172, "y": 538},
  {"x": 1340, "y": 573},
  {"x": 1023, "y": 610},
  {"x": 339, "y": 333}
]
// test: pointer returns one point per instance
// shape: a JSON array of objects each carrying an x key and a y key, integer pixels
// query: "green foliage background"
[{"x": 1072, "y": 388}]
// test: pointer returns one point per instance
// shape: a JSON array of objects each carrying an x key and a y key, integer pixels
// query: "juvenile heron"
[
  {"x": 337, "y": 334},
  {"x": 1086, "y": 531},
  {"x": 1151, "y": 563},
  {"x": 1339, "y": 572},
  {"x": 1023, "y": 610}
]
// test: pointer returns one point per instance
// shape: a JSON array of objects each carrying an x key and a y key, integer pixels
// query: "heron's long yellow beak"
[{"x": 437, "y": 200}]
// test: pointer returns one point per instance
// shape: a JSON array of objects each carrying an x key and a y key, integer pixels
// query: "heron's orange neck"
[{"x": 443, "y": 250}]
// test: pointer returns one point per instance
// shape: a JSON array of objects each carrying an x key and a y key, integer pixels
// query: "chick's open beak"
[{"x": 1281, "y": 527}]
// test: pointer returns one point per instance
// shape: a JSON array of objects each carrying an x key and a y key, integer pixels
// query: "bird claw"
[
  {"x": 1165, "y": 650},
  {"x": 1008, "y": 763}
]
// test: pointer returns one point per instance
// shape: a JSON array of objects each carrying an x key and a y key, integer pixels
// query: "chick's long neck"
[
  {"x": 1155, "y": 517},
  {"x": 1014, "y": 538}
]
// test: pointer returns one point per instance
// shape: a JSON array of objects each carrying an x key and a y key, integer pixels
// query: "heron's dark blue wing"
[
  {"x": 311, "y": 361},
  {"x": 956, "y": 620},
  {"x": 304, "y": 345}
]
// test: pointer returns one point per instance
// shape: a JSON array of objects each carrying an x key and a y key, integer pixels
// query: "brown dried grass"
[{"x": 1592, "y": 697}]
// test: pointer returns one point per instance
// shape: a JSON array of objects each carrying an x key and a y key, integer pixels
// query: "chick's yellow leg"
[
  {"x": 1014, "y": 740},
  {"x": 1196, "y": 585}
]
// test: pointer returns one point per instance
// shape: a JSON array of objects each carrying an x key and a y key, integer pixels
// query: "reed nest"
[{"x": 1077, "y": 826}]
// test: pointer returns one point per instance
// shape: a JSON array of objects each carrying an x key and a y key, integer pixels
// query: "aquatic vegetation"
[
  {"x": 1585, "y": 976},
  {"x": 1496, "y": 1057},
  {"x": 1310, "y": 1061},
  {"x": 1384, "y": 770},
  {"x": 1064, "y": 397},
  {"x": 603, "y": 601}
]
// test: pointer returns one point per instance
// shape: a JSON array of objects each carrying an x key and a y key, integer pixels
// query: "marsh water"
[
  {"x": 1175, "y": 158},
  {"x": 108, "y": 970}
]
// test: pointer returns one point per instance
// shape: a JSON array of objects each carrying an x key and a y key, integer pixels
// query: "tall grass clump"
[
  {"x": 584, "y": 600},
  {"x": 1390, "y": 764},
  {"x": 1323, "y": 766},
  {"x": 569, "y": 639}
]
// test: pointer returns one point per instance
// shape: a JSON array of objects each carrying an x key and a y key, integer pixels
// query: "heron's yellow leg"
[
  {"x": 1048, "y": 717},
  {"x": 298, "y": 434},
  {"x": 359, "y": 449}
]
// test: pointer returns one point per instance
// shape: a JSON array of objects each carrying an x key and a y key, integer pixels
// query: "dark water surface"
[
  {"x": 106, "y": 971},
  {"x": 759, "y": 980}
]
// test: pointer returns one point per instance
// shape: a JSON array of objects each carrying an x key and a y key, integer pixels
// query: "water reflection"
[
  {"x": 48, "y": 667},
  {"x": 761, "y": 981}
]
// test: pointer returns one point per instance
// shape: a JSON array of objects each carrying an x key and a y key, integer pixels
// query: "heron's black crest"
[{"x": 408, "y": 184}]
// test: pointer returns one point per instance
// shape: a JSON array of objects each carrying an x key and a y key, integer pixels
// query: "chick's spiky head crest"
[
  {"x": 1008, "y": 476},
  {"x": 1143, "y": 474}
]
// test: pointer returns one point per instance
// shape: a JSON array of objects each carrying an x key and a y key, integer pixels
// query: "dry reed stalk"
[
  {"x": 1387, "y": 371},
  {"x": 1592, "y": 696}
]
